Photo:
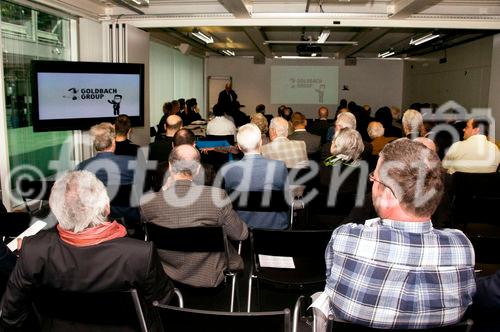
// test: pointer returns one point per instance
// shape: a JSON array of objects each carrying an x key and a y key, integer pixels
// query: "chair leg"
[
  {"x": 233, "y": 287},
  {"x": 249, "y": 300}
]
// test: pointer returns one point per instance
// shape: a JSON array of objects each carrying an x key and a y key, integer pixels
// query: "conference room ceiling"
[{"x": 395, "y": 24}]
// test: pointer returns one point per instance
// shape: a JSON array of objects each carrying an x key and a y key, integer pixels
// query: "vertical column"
[
  {"x": 494, "y": 100},
  {"x": 4, "y": 143}
]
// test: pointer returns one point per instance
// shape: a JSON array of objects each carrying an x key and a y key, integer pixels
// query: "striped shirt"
[{"x": 394, "y": 274}]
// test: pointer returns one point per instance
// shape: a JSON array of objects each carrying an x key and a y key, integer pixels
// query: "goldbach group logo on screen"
[{"x": 96, "y": 94}]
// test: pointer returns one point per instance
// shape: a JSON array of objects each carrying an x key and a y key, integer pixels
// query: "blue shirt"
[{"x": 394, "y": 274}]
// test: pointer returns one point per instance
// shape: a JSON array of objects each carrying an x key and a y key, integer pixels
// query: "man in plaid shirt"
[{"x": 397, "y": 271}]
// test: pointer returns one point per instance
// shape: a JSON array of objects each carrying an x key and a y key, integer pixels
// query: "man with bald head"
[
  {"x": 293, "y": 153},
  {"x": 183, "y": 203},
  {"x": 160, "y": 149},
  {"x": 320, "y": 126}
]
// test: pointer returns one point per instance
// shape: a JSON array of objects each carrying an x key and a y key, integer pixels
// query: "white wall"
[
  {"x": 464, "y": 78},
  {"x": 173, "y": 76},
  {"x": 494, "y": 99},
  {"x": 373, "y": 82}
]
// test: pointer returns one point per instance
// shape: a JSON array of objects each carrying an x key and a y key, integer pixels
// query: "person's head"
[
  {"x": 278, "y": 128},
  {"x": 299, "y": 121},
  {"x": 249, "y": 138},
  {"x": 285, "y": 112},
  {"x": 260, "y": 121},
  {"x": 184, "y": 136},
  {"x": 395, "y": 112},
  {"x": 176, "y": 106},
  {"x": 345, "y": 120},
  {"x": 281, "y": 110},
  {"x": 407, "y": 182},
  {"x": 122, "y": 125},
  {"x": 191, "y": 104},
  {"x": 229, "y": 86},
  {"x": 413, "y": 122},
  {"x": 218, "y": 110},
  {"x": 375, "y": 129},
  {"x": 261, "y": 108},
  {"x": 117, "y": 98},
  {"x": 342, "y": 104},
  {"x": 347, "y": 144},
  {"x": 384, "y": 116},
  {"x": 79, "y": 201},
  {"x": 103, "y": 137},
  {"x": 184, "y": 162},
  {"x": 168, "y": 108},
  {"x": 173, "y": 124},
  {"x": 182, "y": 104},
  {"x": 323, "y": 112},
  {"x": 474, "y": 127}
]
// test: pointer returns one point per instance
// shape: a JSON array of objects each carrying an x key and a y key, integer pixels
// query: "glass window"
[{"x": 27, "y": 35}]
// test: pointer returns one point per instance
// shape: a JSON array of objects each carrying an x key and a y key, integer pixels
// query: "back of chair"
[
  {"x": 107, "y": 309},
  {"x": 13, "y": 223},
  {"x": 260, "y": 201},
  {"x": 465, "y": 326},
  {"x": 182, "y": 319}
]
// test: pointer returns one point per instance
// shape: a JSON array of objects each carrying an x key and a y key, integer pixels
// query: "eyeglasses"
[{"x": 372, "y": 178}]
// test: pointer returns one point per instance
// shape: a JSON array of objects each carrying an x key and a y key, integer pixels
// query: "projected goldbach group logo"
[{"x": 96, "y": 94}]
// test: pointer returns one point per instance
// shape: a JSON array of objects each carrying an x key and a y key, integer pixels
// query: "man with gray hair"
[
  {"x": 397, "y": 271},
  {"x": 108, "y": 167},
  {"x": 85, "y": 253},
  {"x": 293, "y": 153},
  {"x": 256, "y": 173},
  {"x": 183, "y": 203}
]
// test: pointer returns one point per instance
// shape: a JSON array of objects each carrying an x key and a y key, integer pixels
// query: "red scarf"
[{"x": 94, "y": 235}]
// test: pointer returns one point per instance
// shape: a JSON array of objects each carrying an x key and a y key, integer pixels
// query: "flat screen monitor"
[{"x": 76, "y": 95}]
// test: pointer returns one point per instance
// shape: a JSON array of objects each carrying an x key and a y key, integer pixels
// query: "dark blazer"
[
  {"x": 320, "y": 128},
  {"x": 109, "y": 168},
  {"x": 47, "y": 261},
  {"x": 185, "y": 204},
  {"x": 227, "y": 97},
  {"x": 313, "y": 142},
  {"x": 256, "y": 168},
  {"x": 126, "y": 148},
  {"x": 160, "y": 150},
  {"x": 7, "y": 263}
]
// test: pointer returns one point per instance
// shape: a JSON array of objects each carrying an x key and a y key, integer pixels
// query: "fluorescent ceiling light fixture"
[
  {"x": 300, "y": 57},
  {"x": 294, "y": 42},
  {"x": 423, "y": 39},
  {"x": 314, "y": 54},
  {"x": 386, "y": 54},
  {"x": 323, "y": 37},
  {"x": 141, "y": 2},
  {"x": 228, "y": 52},
  {"x": 207, "y": 39}
]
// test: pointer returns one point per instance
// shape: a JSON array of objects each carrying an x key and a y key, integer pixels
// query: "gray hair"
[
  {"x": 346, "y": 120},
  {"x": 260, "y": 120},
  {"x": 79, "y": 201},
  {"x": 280, "y": 125},
  {"x": 348, "y": 144},
  {"x": 375, "y": 129},
  {"x": 249, "y": 137},
  {"x": 184, "y": 159},
  {"x": 103, "y": 135},
  {"x": 412, "y": 122}
]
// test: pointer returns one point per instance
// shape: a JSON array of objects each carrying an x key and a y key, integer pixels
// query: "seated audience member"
[
  {"x": 7, "y": 263},
  {"x": 189, "y": 114},
  {"x": 475, "y": 154},
  {"x": 160, "y": 149},
  {"x": 320, "y": 126},
  {"x": 167, "y": 111},
  {"x": 293, "y": 153},
  {"x": 260, "y": 121},
  {"x": 182, "y": 203},
  {"x": 240, "y": 118},
  {"x": 108, "y": 167},
  {"x": 384, "y": 116},
  {"x": 286, "y": 113},
  {"x": 85, "y": 253},
  {"x": 397, "y": 271},
  {"x": 220, "y": 125},
  {"x": 313, "y": 142},
  {"x": 376, "y": 133},
  {"x": 261, "y": 108},
  {"x": 413, "y": 124},
  {"x": 123, "y": 128},
  {"x": 346, "y": 119},
  {"x": 256, "y": 173}
]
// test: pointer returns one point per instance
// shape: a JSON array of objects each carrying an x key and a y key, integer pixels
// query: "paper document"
[
  {"x": 280, "y": 262},
  {"x": 32, "y": 230}
]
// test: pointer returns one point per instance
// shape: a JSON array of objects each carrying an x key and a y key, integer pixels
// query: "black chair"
[
  {"x": 92, "y": 311},
  {"x": 194, "y": 239},
  {"x": 13, "y": 223},
  {"x": 306, "y": 248},
  {"x": 476, "y": 197},
  {"x": 262, "y": 201},
  {"x": 335, "y": 326},
  {"x": 181, "y": 319},
  {"x": 485, "y": 249},
  {"x": 34, "y": 190}
]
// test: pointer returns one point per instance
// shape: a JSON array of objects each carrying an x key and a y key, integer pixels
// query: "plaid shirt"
[
  {"x": 292, "y": 153},
  {"x": 393, "y": 274}
]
